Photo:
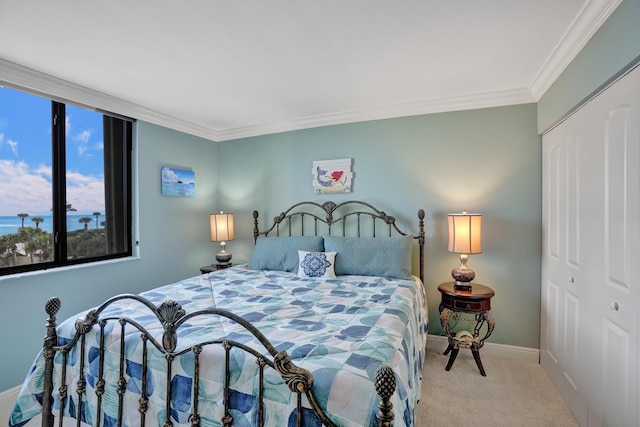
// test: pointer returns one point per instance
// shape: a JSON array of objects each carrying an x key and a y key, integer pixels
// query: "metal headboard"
[{"x": 327, "y": 217}]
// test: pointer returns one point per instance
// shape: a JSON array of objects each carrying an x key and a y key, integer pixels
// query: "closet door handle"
[{"x": 615, "y": 306}]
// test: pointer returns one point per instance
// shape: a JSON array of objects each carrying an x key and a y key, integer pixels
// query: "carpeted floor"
[{"x": 512, "y": 394}]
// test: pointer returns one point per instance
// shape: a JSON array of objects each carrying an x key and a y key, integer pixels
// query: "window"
[{"x": 65, "y": 184}]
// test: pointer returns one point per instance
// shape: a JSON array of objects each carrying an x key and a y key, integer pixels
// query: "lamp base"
[
  {"x": 463, "y": 277},
  {"x": 462, "y": 286},
  {"x": 223, "y": 257}
]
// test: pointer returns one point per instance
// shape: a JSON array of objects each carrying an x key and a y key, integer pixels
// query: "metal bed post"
[{"x": 50, "y": 341}]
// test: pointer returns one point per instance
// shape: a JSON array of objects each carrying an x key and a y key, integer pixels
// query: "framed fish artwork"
[{"x": 332, "y": 176}]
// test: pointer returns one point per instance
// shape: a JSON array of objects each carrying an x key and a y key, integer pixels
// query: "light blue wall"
[
  {"x": 174, "y": 243},
  {"x": 486, "y": 161},
  {"x": 614, "y": 47}
]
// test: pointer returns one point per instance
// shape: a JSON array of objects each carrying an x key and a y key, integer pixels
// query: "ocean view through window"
[{"x": 65, "y": 184}]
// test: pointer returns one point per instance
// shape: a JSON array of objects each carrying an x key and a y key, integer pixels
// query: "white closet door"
[
  {"x": 562, "y": 341},
  {"x": 617, "y": 300},
  {"x": 591, "y": 274}
]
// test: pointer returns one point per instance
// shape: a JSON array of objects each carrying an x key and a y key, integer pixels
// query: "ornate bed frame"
[
  {"x": 171, "y": 316},
  {"x": 337, "y": 215}
]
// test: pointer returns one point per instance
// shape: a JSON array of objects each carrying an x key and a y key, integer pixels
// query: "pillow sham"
[
  {"x": 316, "y": 264},
  {"x": 371, "y": 256},
  {"x": 281, "y": 253}
]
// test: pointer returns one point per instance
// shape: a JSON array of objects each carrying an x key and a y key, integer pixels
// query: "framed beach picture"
[
  {"x": 332, "y": 176},
  {"x": 178, "y": 182}
]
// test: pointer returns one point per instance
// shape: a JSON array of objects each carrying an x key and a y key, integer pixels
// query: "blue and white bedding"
[{"x": 340, "y": 329}]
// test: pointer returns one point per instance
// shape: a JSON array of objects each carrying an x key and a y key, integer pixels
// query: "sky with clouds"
[{"x": 25, "y": 156}]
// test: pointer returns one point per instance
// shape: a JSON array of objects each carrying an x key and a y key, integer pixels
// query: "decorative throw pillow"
[{"x": 316, "y": 264}]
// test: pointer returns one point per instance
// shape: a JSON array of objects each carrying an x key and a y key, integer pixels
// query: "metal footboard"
[{"x": 171, "y": 316}]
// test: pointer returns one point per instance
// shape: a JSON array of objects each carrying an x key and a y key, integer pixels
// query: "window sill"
[{"x": 67, "y": 268}]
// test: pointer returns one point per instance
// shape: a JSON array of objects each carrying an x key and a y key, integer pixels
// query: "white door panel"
[
  {"x": 561, "y": 339},
  {"x": 619, "y": 307},
  {"x": 589, "y": 340}
]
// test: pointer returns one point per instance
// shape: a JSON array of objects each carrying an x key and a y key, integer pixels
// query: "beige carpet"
[{"x": 512, "y": 394}]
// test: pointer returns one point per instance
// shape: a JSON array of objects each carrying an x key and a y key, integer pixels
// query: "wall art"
[
  {"x": 332, "y": 176},
  {"x": 178, "y": 182}
]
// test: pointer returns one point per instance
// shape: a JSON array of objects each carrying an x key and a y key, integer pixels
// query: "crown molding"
[
  {"x": 592, "y": 15},
  {"x": 29, "y": 80},
  {"x": 36, "y": 82},
  {"x": 442, "y": 105}
]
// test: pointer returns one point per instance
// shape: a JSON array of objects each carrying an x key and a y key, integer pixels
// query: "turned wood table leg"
[
  {"x": 449, "y": 348},
  {"x": 445, "y": 313},
  {"x": 476, "y": 356},
  {"x": 481, "y": 319},
  {"x": 452, "y": 358}
]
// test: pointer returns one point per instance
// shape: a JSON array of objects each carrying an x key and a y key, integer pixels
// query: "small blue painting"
[{"x": 178, "y": 182}]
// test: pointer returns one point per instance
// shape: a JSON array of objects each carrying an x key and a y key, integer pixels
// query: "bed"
[{"x": 325, "y": 325}]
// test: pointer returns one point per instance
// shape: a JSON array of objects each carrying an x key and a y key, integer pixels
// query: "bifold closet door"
[
  {"x": 562, "y": 340},
  {"x": 616, "y": 297},
  {"x": 590, "y": 276}
]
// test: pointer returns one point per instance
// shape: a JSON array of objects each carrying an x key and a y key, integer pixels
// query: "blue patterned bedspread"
[{"x": 339, "y": 329}]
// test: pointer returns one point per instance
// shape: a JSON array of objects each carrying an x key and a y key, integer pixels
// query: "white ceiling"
[{"x": 229, "y": 69}]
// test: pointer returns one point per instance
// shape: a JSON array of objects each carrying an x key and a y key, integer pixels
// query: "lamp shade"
[
  {"x": 465, "y": 233},
  {"x": 221, "y": 227}
]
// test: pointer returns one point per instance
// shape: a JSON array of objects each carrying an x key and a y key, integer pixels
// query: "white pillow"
[{"x": 316, "y": 264}]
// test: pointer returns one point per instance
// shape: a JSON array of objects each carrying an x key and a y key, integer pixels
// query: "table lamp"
[
  {"x": 222, "y": 231},
  {"x": 465, "y": 238}
]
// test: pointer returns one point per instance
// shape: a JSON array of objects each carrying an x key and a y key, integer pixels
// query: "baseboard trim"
[
  {"x": 7, "y": 400},
  {"x": 10, "y": 392},
  {"x": 499, "y": 351}
]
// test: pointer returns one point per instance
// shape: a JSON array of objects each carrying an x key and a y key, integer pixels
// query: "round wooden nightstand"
[
  {"x": 213, "y": 267},
  {"x": 454, "y": 303}
]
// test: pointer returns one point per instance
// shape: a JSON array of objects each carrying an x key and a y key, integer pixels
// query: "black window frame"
[{"x": 118, "y": 181}]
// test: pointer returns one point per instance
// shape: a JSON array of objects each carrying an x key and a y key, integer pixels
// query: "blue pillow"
[
  {"x": 371, "y": 256},
  {"x": 281, "y": 253}
]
